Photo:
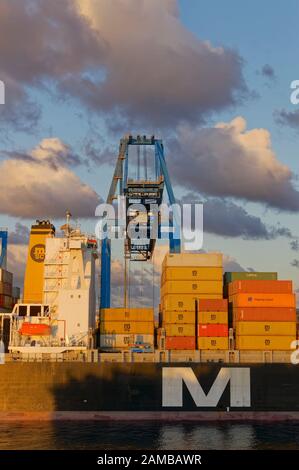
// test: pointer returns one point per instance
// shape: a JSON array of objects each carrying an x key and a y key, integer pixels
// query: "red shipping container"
[
  {"x": 212, "y": 330},
  {"x": 264, "y": 314},
  {"x": 212, "y": 305},
  {"x": 260, "y": 287},
  {"x": 180, "y": 342}
]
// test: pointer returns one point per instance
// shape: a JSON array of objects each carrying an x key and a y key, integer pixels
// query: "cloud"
[
  {"x": 50, "y": 151},
  {"x": 153, "y": 78},
  {"x": 294, "y": 244},
  {"x": 20, "y": 235},
  {"x": 226, "y": 218},
  {"x": 229, "y": 160},
  {"x": 109, "y": 55},
  {"x": 295, "y": 263},
  {"x": 268, "y": 71},
  {"x": 287, "y": 118},
  {"x": 16, "y": 262},
  {"x": 230, "y": 264},
  {"x": 58, "y": 42},
  {"x": 41, "y": 185}
]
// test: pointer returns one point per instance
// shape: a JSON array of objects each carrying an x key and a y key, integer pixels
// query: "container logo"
[
  {"x": 38, "y": 253},
  {"x": 174, "y": 379}
]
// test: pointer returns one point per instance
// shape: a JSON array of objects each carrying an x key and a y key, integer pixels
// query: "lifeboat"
[{"x": 35, "y": 329}]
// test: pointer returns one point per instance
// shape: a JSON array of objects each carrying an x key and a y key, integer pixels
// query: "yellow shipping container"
[
  {"x": 118, "y": 327},
  {"x": 262, "y": 343},
  {"x": 184, "y": 302},
  {"x": 248, "y": 328},
  {"x": 124, "y": 341},
  {"x": 212, "y": 342},
  {"x": 193, "y": 259},
  {"x": 169, "y": 316},
  {"x": 213, "y": 317},
  {"x": 173, "y": 329},
  {"x": 125, "y": 314},
  {"x": 192, "y": 274},
  {"x": 192, "y": 287}
]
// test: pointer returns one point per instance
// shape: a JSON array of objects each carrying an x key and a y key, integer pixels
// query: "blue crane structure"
[{"x": 145, "y": 191}]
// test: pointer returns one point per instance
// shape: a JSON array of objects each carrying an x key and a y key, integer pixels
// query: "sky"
[{"x": 211, "y": 78}]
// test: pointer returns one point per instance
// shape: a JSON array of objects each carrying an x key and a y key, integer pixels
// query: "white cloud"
[
  {"x": 40, "y": 185},
  {"x": 229, "y": 160}
]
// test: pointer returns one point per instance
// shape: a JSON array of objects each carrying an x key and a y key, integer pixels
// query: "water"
[{"x": 160, "y": 436}]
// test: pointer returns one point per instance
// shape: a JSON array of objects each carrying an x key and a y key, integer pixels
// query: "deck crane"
[{"x": 143, "y": 190}]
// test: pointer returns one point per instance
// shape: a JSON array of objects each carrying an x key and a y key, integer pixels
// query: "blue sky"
[{"x": 261, "y": 33}]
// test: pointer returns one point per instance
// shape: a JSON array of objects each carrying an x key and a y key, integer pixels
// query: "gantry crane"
[{"x": 142, "y": 190}]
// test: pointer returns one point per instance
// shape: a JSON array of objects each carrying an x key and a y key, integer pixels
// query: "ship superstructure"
[{"x": 65, "y": 318}]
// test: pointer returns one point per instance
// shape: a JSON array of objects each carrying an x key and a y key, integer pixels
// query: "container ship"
[{"x": 222, "y": 345}]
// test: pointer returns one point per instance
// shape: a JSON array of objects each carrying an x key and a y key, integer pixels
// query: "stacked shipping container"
[
  {"x": 188, "y": 277},
  {"x": 122, "y": 328},
  {"x": 263, "y": 311},
  {"x": 212, "y": 324},
  {"x": 6, "y": 301}
]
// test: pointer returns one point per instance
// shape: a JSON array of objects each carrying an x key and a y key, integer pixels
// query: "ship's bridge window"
[
  {"x": 22, "y": 310},
  {"x": 35, "y": 310}
]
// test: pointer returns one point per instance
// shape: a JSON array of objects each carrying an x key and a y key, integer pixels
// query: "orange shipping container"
[
  {"x": 212, "y": 305},
  {"x": 212, "y": 330},
  {"x": 264, "y": 300},
  {"x": 180, "y": 342},
  {"x": 260, "y": 287},
  {"x": 264, "y": 314}
]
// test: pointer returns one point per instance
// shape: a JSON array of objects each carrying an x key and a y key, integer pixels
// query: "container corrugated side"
[
  {"x": 263, "y": 343},
  {"x": 192, "y": 287},
  {"x": 212, "y": 317},
  {"x": 170, "y": 316},
  {"x": 212, "y": 343},
  {"x": 248, "y": 328},
  {"x": 122, "y": 314},
  {"x": 118, "y": 327},
  {"x": 180, "y": 342},
  {"x": 191, "y": 274},
  {"x": 193, "y": 260},
  {"x": 264, "y": 300},
  {"x": 213, "y": 330},
  {"x": 260, "y": 286},
  {"x": 174, "y": 329},
  {"x": 184, "y": 301},
  {"x": 124, "y": 341},
  {"x": 233, "y": 276},
  {"x": 264, "y": 314},
  {"x": 212, "y": 305}
]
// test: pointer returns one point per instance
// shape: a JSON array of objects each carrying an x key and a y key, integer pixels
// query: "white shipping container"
[
  {"x": 193, "y": 260},
  {"x": 124, "y": 341}
]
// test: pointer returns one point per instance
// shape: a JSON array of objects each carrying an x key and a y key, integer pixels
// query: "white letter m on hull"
[{"x": 174, "y": 377}]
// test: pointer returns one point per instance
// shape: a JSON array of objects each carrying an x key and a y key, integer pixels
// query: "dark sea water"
[{"x": 103, "y": 436}]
